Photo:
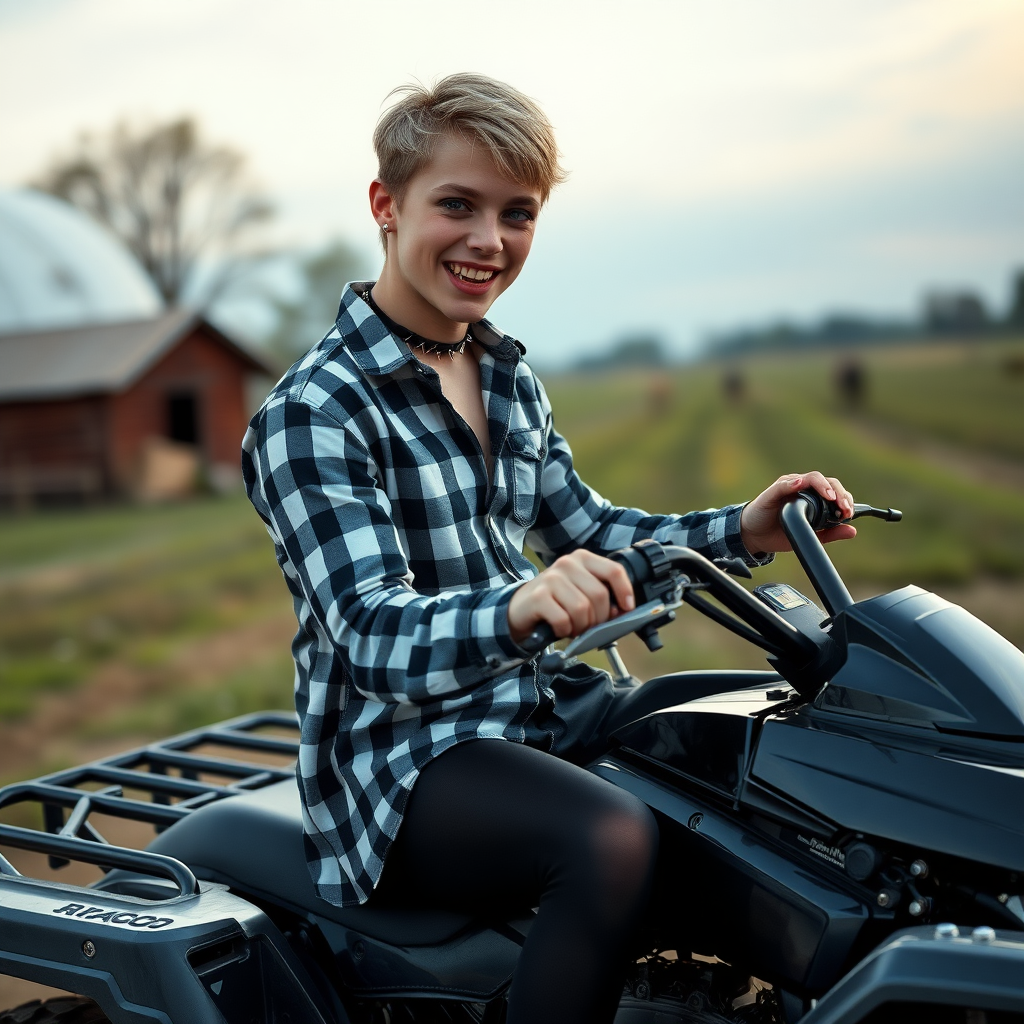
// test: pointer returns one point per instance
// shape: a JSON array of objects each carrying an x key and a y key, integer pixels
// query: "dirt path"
[
  {"x": 51, "y": 733},
  {"x": 972, "y": 464}
]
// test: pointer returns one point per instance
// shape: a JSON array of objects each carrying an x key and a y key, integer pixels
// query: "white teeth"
[{"x": 471, "y": 273}]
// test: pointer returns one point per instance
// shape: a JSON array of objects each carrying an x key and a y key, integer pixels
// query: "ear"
[{"x": 382, "y": 204}]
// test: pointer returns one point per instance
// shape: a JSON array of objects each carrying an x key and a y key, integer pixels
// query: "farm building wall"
[
  {"x": 53, "y": 448},
  {"x": 199, "y": 373},
  {"x": 193, "y": 396}
]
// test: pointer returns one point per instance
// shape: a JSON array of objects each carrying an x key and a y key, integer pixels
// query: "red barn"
[{"x": 140, "y": 407}]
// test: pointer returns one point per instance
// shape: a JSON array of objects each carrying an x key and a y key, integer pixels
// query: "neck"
[
  {"x": 412, "y": 311},
  {"x": 417, "y": 341}
]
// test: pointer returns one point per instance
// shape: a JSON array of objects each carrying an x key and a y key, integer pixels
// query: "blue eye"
[
  {"x": 520, "y": 216},
  {"x": 456, "y": 205}
]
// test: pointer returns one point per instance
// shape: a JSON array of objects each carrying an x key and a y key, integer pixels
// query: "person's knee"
[
  {"x": 625, "y": 839},
  {"x": 614, "y": 859}
]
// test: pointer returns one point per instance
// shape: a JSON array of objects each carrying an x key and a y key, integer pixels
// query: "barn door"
[{"x": 183, "y": 418}]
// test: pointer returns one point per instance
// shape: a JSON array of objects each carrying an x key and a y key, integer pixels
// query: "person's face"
[{"x": 458, "y": 238}]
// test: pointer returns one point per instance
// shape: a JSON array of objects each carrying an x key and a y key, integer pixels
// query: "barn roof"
[{"x": 98, "y": 358}]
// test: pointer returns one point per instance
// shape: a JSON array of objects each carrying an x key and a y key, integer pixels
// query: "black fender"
[{"x": 679, "y": 687}]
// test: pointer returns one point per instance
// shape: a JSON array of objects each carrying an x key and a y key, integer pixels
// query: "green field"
[
  {"x": 133, "y": 621},
  {"x": 698, "y": 450}
]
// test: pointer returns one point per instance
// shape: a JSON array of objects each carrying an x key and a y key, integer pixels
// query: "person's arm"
[
  {"x": 576, "y": 527},
  {"x": 314, "y": 483},
  {"x": 573, "y": 515}
]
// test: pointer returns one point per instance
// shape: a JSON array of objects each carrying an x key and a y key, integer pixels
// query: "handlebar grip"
[
  {"x": 821, "y": 512},
  {"x": 541, "y": 636}
]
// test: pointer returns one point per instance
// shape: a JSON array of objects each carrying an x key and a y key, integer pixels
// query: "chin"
[{"x": 463, "y": 312}]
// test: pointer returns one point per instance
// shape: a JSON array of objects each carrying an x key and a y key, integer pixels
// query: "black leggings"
[{"x": 493, "y": 826}]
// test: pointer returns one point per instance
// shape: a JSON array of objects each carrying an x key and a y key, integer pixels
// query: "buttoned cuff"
[
  {"x": 495, "y": 648},
  {"x": 725, "y": 541}
]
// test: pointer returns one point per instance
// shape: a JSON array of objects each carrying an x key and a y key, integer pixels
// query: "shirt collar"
[{"x": 377, "y": 351}]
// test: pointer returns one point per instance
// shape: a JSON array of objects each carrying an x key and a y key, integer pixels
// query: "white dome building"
[{"x": 59, "y": 268}]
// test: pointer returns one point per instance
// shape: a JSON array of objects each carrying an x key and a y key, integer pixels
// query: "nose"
[{"x": 485, "y": 236}]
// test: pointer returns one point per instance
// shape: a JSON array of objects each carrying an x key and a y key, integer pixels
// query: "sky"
[{"x": 731, "y": 162}]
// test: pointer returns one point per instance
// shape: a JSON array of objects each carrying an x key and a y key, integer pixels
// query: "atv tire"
[{"x": 61, "y": 1010}]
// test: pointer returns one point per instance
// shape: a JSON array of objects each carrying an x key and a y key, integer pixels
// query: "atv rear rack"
[{"x": 171, "y": 781}]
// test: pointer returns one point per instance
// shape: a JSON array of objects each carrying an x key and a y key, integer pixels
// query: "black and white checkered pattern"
[{"x": 401, "y": 558}]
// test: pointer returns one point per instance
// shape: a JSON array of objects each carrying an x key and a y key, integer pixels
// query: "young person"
[{"x": 400, "y": 466}]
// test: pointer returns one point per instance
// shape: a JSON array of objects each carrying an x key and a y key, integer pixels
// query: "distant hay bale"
[
  {"x": 168, "y": 470},
  {"x": 734, "y": 386},
  {"x": 851, "y": 383},
  {"x": 660, "y": 392},
  {"x": 1013, "y": 366}
]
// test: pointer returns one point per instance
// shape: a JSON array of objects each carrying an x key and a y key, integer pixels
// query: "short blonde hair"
[{"x": 514, "y": 130}]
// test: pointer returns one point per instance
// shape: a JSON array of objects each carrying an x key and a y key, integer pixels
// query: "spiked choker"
[{"x": 414, "y": 340}]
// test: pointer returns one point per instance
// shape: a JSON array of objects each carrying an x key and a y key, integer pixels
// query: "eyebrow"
[{"x": 472, "y": 193}]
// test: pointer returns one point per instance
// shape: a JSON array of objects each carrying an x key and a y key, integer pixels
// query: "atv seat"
[{"x": 253, "y": 843}]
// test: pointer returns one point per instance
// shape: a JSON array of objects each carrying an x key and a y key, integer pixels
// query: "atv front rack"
[
  {"x": 157, "y": 785},
  {"x": 150, "y": 952}
]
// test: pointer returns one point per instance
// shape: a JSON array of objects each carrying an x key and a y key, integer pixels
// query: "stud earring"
[{"x": 385, "y": 228}]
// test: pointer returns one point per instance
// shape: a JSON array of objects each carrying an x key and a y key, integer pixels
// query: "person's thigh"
[{"x": 497, "y": 824}]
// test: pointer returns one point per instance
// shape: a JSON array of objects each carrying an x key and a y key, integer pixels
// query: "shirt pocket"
[{"x": 529, "y": 450}]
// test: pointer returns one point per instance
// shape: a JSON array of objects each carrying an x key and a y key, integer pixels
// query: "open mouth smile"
[{"x": 470, "y": 275}]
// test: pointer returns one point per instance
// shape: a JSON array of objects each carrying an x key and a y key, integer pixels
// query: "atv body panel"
[{"x": 205, "y": 957}]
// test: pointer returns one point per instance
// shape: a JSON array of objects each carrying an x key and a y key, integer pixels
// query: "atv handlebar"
[
  {"x": 542, "y": 636},
  {"x": 799, "y": 522},
  {"x": 809, "y": 512},
  {"x": 688, "y": 571},
  {"x": 664, "y": 576},
  {"x": 782, "y": 636}
]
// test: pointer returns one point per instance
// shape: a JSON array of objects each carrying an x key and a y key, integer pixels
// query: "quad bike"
[{"x": 842, "y": 839}]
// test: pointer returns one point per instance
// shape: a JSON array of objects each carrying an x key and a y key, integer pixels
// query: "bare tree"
[
  {"x": 303, "y": 321},
  {"x": 170, "y": 195}
]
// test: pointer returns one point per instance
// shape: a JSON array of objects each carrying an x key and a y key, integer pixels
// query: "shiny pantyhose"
[{"x": 493, "y": 826}]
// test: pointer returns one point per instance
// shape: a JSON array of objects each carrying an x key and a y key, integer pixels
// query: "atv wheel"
[{"x": 62, "y": 1010}]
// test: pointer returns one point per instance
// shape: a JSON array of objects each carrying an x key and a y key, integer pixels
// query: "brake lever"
[
  {"x": 825, "y": 514},
  {"x": 614, "y": 629},
  {"x": 889, "y": 515},
  {"x": 734, "y": 567}
]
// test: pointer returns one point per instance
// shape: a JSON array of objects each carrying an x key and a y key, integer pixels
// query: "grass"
[{"x": 970, "y": 394}]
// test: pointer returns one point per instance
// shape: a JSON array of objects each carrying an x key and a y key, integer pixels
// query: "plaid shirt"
[{"x": 402, "y": 556}]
